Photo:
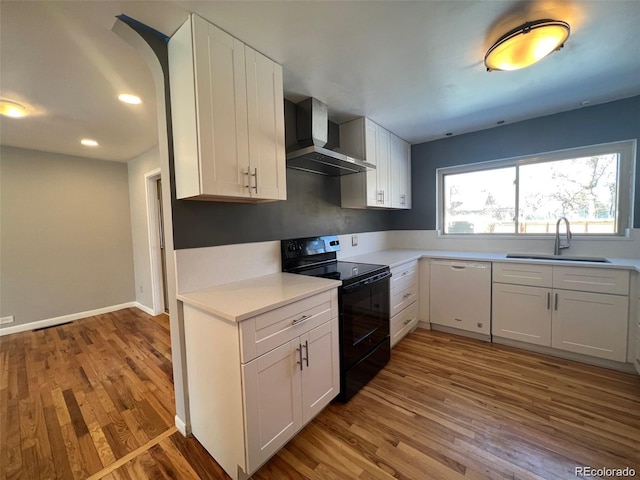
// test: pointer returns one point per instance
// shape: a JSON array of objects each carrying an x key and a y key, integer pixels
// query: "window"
[{"x": 591, "y": 186}]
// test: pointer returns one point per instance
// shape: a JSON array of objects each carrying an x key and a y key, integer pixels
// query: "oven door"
[{"x": 364, "y": 318}]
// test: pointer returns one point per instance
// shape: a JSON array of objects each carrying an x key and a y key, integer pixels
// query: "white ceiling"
[{"x": 416, "y": 68}]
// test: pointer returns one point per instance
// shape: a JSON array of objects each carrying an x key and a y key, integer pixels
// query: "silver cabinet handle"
[
  {"x": 299, "y": 362},
  {"x": 306, "y": 347},
  {"x": 408, "y": 321},
  {"x": 406, "y": 272},
  {"x": 458, "y": 319},
  {"x": 406, "y": 295},
  {"x": 301, "y": 319},
  {"x": 548, "y": 300},
  {"x": 555, "y": 303},
  {"x": 255, "y": 175}
]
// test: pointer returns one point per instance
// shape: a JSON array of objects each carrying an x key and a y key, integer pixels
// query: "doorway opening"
[{"x": 157, "y": 250}]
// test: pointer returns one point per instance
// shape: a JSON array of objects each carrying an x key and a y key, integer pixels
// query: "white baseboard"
[
  {"x": 145, "y": 309},
  {"x": 182, "y": 427},
  {"x": 49, "y": 322}
]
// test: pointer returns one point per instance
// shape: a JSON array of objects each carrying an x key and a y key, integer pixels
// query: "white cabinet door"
[
  {"x": 371, "y": 156},
  {"x": 272, "y": 385},
  {"x": 400, "y": 173},
  {"x": 321, "y": 368},
  {"x": 590, "y": 323},
  {"x": 265, "y": 104},
  {"x": 382, "y": 167},
  {"x": 522, "y": 313}
]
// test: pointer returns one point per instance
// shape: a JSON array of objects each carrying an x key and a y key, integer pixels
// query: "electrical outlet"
[
  {"x": 8, "y": 319},
  {"x": 354, "y": 240}
]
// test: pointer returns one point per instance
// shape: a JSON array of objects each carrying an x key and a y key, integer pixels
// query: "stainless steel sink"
[{"x": 564, "y": 258}]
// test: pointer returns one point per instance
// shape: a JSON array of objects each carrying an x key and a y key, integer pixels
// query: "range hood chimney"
[{"x": 312, "y": 132}]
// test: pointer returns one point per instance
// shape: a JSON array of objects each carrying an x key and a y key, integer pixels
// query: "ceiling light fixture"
[
  {"x": 13, "y": 109},
  {"x": 526, "y": 44},
  {"x": 87, "y": 142},
  {"x": 129, "y": 98}
]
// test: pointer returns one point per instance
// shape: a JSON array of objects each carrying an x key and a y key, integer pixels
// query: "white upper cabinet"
[
  {"x": 227, "y": 111},
  {"x": 389, "y": 185},
  {"x": 400, "y": 173}
]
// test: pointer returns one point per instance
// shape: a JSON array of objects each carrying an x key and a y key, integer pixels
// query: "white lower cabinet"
[
  {"x": 254, "y": 384},
  {"x": 591, "y": 324},
  {"x": 529, "y": 307},
  {"x": 286, "y": 388},
  {"x": 403, "y": 300},
  {"x": 522, "y": 313}
]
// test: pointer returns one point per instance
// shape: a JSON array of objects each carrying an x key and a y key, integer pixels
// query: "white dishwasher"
[{"x": 460, "y": 296}]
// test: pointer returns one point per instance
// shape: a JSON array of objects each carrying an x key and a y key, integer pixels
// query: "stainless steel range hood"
[{"x": 312, "y": 131}]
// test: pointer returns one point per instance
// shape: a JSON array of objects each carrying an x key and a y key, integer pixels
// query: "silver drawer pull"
[
  {"x": 458, "y": 319},
  {"x": 405, "y": 273},
  {"x": 408, "y": 321},
  {"x": 301, "y": 319},
  {"x": 406, "y": 295}
]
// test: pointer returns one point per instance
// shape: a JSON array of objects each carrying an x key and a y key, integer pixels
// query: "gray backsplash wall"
[
  {"x": 608, "y": 122},
  {"x": 312, "y": 208}
]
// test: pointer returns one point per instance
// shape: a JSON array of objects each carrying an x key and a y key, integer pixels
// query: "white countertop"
[
  {"x": 241, "y": 300},
  {"x": 397, "y": 257}
]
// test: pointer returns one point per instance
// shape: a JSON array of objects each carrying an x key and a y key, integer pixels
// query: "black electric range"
[{"x": 363, "y": 304}]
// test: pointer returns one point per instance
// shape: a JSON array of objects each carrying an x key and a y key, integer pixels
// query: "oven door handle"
[{"x": 368, "y": 281}]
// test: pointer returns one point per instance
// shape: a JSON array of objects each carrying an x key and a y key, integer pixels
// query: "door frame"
[{"x": 153, "y": 227}]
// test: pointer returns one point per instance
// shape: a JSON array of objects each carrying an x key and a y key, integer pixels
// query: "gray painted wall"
[
  {"x": 609, "y": 122},
  {"x": 65, "y": 234},
  {"x": 138, "y": 168},
  {"x": 312, "y": 208}
]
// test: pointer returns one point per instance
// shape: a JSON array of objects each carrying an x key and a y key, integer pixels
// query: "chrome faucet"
[{"x": 558, "y": 245}]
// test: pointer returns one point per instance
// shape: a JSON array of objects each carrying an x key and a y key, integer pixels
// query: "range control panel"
[{"x": 304, "y": 247}]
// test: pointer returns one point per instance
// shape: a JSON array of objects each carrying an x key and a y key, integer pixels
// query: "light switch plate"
[
  {"x": 354, "y": 240},
  {"x": 8, "y": 319}
]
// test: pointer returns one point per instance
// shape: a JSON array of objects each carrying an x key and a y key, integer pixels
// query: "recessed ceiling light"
[
  {"x": 129, "y": 98},
  {"x": 87, "y": 142},
  {"x": 13, "y": 109}
]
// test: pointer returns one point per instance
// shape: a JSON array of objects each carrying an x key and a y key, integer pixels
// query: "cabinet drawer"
[
  {"x": 598, "y": 280},
  {"x": 402, "y": 298},
  {"x": 403, "y": 274},
  {"x": 522, "y": 274},
  {"x": 403, "y": 323},
  {"x": 265, "y": 332}
]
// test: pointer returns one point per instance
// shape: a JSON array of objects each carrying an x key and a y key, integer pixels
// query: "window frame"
[{"x": 625, "y": 183}]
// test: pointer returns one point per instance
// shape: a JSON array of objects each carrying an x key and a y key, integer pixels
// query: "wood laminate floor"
[{"x": 93, "y": 399}]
